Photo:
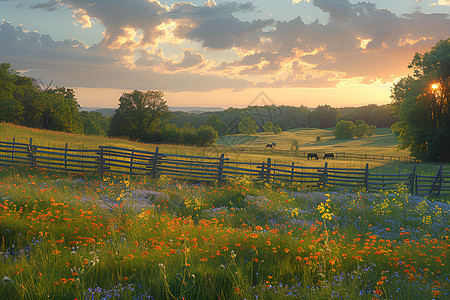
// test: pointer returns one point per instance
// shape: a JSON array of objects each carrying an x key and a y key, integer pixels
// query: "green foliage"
[
  {"x": 268, "y": 127},
  {"x": 23, "y": 102},
  {"x": 421, "y": 103},
  {"x": 379, "y": 116},
  {"x": 138, "y": 115},
  {"x": 325, "y": 115},
  {"x": 188, "y": 135},
  {"x": 214, "y": 122},
  {"x": 348, "y": 130},
  {"x": 248, "y": 126},
  {"x": 276, "y": 129},
  {"x": 361, "y": 129},
  {"x": 344, "y": 130},
  {"x": 206, "y": 135},
  {"x": 318, "y": 138},
  {"x": 94, "y": 123}
]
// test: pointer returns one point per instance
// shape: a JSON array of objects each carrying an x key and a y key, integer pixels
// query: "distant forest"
[{"x": 290, "y": 117}]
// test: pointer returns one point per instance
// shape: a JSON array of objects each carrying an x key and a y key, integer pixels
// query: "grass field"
[
  {"x": 65, "y": 237},
  {"x": 383, "y": 140},
  {"x": 78, "y": 237}
]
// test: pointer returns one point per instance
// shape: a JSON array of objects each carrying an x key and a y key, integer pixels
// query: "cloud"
[
  {"x": 72, "y": 63},
  {"x": 442, "y": 3},
  {"x": 359, "y": 43},
  {"x": 48, "y": 6},
  {"x": 228, "y": 32}
]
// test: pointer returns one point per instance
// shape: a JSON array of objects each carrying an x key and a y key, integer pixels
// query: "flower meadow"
[{"x": 80, "y": 237}]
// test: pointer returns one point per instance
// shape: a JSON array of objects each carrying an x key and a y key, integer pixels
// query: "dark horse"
[
  {"x": 312, "y": 155},
  {"x": 271, "y": 145},
  {"x": 328, "y": 155}
]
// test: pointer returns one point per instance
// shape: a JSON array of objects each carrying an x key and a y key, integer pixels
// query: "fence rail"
[{"x": 108, "y": 159}]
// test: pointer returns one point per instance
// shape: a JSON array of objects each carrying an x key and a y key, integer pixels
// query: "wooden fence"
[{"x": 108, "y": 159}]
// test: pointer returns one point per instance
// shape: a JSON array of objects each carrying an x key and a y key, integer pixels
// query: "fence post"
[
  {"x": 30, "y": 153},
  {"x": 65, "y": 159},
  {"x": 101, "y": 163},
  {"x": 413, "y": 181},
  {"x": 131, "y": 161},
  {"x": 12, "y": 152},
  {"x": 366, "y": 177},
  {"x": 261, "y": 174},
  {"x": 436, "y": 181},
  {"x": 292, "y": 173},
  {"x": 267, "y": 175},
  {"x": 440, "y": 180},
  {"x": 325, "y": 175},
  {"x": 155, "y": 162},
  {"x": 220, "y": 170}
]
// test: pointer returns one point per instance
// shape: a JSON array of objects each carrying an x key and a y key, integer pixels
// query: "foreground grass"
[{"x": 78, "y": 237}]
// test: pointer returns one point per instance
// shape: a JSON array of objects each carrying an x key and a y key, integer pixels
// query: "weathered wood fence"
[{"x": 108, "y": 159}]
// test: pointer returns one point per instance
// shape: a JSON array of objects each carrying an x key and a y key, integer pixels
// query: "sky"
[{"x": 222, "y": 53}]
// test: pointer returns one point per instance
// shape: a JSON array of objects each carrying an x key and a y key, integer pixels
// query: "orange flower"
[
  {"x": 39, "y": 274},
  {"x": 380, "y": 282},
  {"x": 63, "y": 280},
  {"x": 268, "y": 243},
  {"x": 286, "y": 250},
  {"x": 378, "y": 292}
]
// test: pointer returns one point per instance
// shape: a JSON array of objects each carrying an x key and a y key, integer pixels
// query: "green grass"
[
  {"x": 62, "y": 237},
  {"x": 383, "y": 139}
]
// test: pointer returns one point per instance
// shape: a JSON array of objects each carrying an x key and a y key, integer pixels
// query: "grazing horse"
[
  {"x": 271, "y": 145},
  {"x": 312, "y": 155},
  {"x": 328, "y": 155}
]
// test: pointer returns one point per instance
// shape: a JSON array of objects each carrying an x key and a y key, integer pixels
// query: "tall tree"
[
  {"x": 138, "y": 115},
  {"x": 421, "y": 102},
  {"x": 248, "y": 125},
  {"x": 325, "y": 115}
]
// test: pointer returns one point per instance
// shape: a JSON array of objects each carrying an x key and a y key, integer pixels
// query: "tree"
[
  {"x": 268, "y": 127},
  {"x": 206, "y": 135},
  {"x": 276, "y": 129},
  {"x": 421, "y": 103},
  {"x": 344, "y": 130},
  {"x": 248, "y": 126},
  {"x": 325, "y": 115},
  {"x": 138, "y": 115},
  {"x": 214, "y": 122},
  {"x": 361, "y": 129},
  {"x": 94, "y": 123}
]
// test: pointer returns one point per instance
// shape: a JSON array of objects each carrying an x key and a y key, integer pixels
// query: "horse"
[
  {"x": 328, "y": 155},
  {"x": 312, "y": 155},
  {"x": 271, "y": 145}
]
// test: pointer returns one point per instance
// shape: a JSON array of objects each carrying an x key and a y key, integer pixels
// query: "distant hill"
[
  {"x": 108, "y": 112},
  {"x": 195, "y": 110}
]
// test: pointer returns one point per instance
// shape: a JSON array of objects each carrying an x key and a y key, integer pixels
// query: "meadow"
[
  {"x": 66, "y": 236},
  {"x": 78, "y": 237}
]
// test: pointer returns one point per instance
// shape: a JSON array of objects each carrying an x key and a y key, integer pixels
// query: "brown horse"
[
  {"x": 312, "y": 156},
  {"x": 328, "y": 155}
]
